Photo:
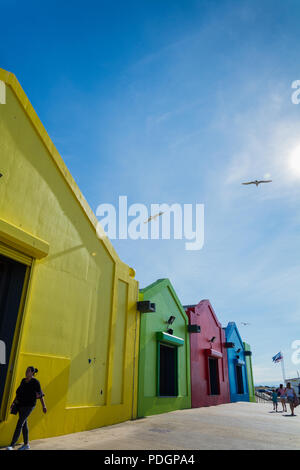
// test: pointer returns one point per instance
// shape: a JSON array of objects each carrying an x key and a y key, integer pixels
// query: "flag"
[{"x": 277, "y": 358}]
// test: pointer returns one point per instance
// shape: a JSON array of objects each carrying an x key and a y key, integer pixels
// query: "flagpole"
[{"x": 283, "y": 369}]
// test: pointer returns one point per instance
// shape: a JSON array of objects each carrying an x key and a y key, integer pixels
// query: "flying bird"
[
  {"x": 257, "y": 182},
  {"x": 153, "y": 217},
  {"x": 245, "y": 323}
]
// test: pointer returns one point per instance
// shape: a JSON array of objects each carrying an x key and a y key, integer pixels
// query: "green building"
[
  {"x": 248, "y": 360},
  {"x": 164, "y": 360}
]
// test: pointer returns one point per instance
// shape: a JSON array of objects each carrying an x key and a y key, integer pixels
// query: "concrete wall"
[
  {"x": 167, "y": 303},
  {"x": 232, "y": 335},
  {"x": 79, "y": 324},
  {"x": 201, "y": 349}
]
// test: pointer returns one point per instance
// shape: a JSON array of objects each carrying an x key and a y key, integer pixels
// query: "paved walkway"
[{"x": 231, "y": 426}]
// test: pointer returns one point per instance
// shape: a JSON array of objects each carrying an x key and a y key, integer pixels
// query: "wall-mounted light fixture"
[
  {"x": 194, "y": 328},
  {"x": 228, "y": 345},
  {"x": 170, "y": 321},
  {"x": 212, "y": 339},
  {"x": 238, "y": 350},
  {"x": 145, "y": 306}
]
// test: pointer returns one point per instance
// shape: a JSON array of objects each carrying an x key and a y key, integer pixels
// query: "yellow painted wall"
[{"x": 79, "y": 326}]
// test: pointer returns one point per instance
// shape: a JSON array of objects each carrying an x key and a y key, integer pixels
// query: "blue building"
[{"x": 237, "y": 371}]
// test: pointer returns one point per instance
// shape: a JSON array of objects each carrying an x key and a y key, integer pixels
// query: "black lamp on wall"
[
  {"x": 194, "y": 328},
  {"x": 170, "y": 322},
  {"x": 145, "y": 306}
]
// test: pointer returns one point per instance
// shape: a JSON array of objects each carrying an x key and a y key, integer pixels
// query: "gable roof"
[
  {"x": 11, "y": 81},
  {"x": 230, "y": 328},
  {"x": 202, "y": 307},
  {"x": 164, "y": 284}
]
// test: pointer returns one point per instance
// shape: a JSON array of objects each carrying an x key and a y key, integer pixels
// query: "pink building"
[{"x": 209, "y": 368}]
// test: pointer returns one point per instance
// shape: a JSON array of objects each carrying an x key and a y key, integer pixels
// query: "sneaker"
[
  {"x": 24, "y": 447},
  {"x": 9, "y": 448}
]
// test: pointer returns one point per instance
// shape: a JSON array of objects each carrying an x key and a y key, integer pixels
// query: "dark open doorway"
[
  {"x": 12, "y": 276},
  {"x": 168, "y": 370},
  {"x": 239, "y": 380},
  {"x": 214, "y": 376}
]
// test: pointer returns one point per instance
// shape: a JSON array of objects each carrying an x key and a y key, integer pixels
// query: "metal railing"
[{"x": 262, "y": 397}]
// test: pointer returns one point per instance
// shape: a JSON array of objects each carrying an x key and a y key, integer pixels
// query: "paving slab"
[{"x": 249, "y": 426}]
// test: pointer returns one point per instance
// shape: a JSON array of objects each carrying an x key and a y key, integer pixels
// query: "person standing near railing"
[
  {"x": 281, "y": 391},
  {"x": 274, "y": 400},
  {"x": 291, "y": 398}
]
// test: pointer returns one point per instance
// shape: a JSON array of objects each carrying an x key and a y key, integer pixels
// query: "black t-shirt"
[{"x": 28, "y": 392}]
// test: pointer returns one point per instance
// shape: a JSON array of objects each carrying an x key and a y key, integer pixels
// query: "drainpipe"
[{"x": 134, "y": 358}]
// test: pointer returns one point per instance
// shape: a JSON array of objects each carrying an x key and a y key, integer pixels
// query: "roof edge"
[
  {"x": 153, "y": 284},
  {"x": 208, "y": 304},
  {"x": 166, "y": 283},
  {"x": 11, "y": 80},
  {"x": 232, "y": 326}
]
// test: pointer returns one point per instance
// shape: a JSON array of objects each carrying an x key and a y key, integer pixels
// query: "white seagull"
[{"x": 257, "y": 182}]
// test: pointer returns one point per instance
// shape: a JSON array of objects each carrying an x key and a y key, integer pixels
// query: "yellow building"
[{"x": 67, "y": 302}]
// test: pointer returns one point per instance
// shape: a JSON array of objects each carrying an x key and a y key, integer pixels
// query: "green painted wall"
[
  {"x": 248, "y": 360},
  {"x": 167, "y": 303}
]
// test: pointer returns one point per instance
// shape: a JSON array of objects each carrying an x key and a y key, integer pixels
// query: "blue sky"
[{"x": 180, "y": 101}]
